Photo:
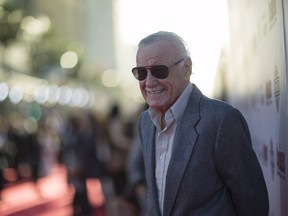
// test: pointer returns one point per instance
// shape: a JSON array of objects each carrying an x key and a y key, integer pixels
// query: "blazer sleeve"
[
  {"x": 135, "y": 165},
  {"x": 239, "y": 167}
]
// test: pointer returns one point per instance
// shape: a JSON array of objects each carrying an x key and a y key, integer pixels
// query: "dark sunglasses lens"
[
  {"x": 140, "y": 73},
  {"x": 160, "y": 71}
]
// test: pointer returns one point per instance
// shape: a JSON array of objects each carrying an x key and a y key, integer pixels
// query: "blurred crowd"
[{"x": 87, "y": 145}]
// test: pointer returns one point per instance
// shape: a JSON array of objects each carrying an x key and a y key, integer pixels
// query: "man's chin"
[{"x": 155, "y": 106}]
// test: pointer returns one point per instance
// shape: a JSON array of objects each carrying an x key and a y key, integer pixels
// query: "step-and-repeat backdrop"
[{"x": 256, "y": 83}]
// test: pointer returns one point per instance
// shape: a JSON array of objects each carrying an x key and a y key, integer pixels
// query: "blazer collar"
[
  {"x": 149, "y": 131},
  {"x": 184, "y": 142}
]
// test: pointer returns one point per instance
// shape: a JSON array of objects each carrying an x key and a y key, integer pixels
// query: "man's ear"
[{"x": 188, "y": 68}]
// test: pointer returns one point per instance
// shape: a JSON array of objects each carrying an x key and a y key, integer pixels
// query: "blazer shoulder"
[
  {"x": 197, "y": 97},
  {"x": 216, "y": 109},
  {"x": 205, "y": 108},
  {"x": 216, "y": 105}
]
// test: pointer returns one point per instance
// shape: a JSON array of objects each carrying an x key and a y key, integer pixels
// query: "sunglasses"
[{"x": 158, "y": 71}]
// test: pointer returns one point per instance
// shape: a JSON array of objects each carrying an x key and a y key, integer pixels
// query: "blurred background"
[
  {"x": 88, "y": 47},
  {"x": 69, "y": 103}
]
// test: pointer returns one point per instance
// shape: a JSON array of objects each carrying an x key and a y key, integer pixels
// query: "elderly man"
[{"x": 197, "y": 151}]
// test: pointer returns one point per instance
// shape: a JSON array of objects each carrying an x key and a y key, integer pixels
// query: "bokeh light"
[
  {"x": 69, "y": 60},
  {"x": 4, "y": 91}
]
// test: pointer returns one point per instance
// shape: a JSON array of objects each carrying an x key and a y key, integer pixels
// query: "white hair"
[{"x": 168, "y": 36}]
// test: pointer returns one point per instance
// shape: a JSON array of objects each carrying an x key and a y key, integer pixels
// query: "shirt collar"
[{"x": 181, "y": 103}]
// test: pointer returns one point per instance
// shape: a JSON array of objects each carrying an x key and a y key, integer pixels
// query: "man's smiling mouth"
[{"x": 155, "y": 91}]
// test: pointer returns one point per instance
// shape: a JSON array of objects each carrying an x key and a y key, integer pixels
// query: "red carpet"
[{"x": 51, "y": 196}]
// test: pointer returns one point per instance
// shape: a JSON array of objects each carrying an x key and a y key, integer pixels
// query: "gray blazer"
[{"x": 213, "y": 169}]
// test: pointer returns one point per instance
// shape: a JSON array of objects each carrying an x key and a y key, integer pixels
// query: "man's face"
[{"x": 160, "y": 94}]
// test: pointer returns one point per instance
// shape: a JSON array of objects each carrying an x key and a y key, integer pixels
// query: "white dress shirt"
[{"x": 164, "y": 139}]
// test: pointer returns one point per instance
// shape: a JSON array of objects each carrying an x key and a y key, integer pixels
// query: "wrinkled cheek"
[{"x": 143, "y": 92}]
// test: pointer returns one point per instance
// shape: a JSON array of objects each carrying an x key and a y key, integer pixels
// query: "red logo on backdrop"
[{"x": 281, "y": 164}]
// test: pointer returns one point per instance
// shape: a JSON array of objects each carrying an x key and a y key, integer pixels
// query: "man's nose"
[{"x": 150, "y": 79}]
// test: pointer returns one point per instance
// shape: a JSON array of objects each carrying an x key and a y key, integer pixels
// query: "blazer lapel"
[
  {"x": 184, "y": 142},
  {"x": 149, "y": 131}
]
